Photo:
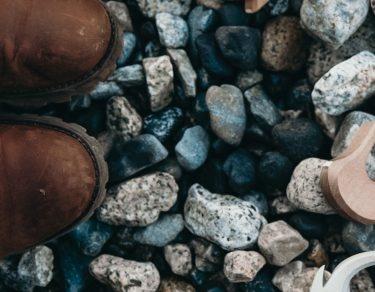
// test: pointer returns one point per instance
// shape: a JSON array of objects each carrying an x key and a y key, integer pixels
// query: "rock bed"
[{"x": 216, "y": 125}]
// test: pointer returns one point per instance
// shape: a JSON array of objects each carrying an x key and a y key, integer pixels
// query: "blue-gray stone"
[
  {"x": 129, "y": 42},
  {"x": 259, "y": 200},
  {"x": 106, "y": 90}
]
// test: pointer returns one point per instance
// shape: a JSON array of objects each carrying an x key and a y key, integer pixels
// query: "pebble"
[
  {"x": 275, "y": 170},
  {"x": 284, "y": 44},
  {"x": 239, "y": 168},
  {"x": 211, "y": 58},
  {"x": 129, "y": 158},
  {"x": 280, "y": 243},
  {"x": 358, "y": 238},
  {"x": 225, "y": 220},
  {"x": 258, "y": 199},
  {"x": 214, "y": 4},
  {"x": 185, "y": 70},
  {"x": 240, "y": 45},
  {"x": 129, "y": 76},
  {"x": 125, "y": 275},
  {"x": 298, "y": 139},
  {"x": 262, "y": 108},
  {"x": 36, "y": 266},
  {"x": 164, "y": 124},
  {"x": 10, "y": 278},
  {"x": 139, "y": 201},
  {"x": 362, "y": 282},
  {"x": 247, "y": 79},
  {"x": 159, "y": 77},
  {"x": 129, "y": 43},
  {"x": 176, "y": 7},
  {"x": 232, "y": 14},
  {"x": 281, "y": 205},
  {"x": 242, "y": 266},
  {"x": 208, "y": 257},
  {"x": 192, "y": 149},
  {"x": 105, "y": 90},
  {"x": 322, "y": 59},
  {"x": 90, "y": 236},
  {"x": 179, "y": 258},
  {"x": 122, "y": 118},
  {"x": 173, "y": 30},
  {"x": 329, "y": 124},
  {"x": 200, "y": 20},
  {"x": 227, "y": 112},
  {"x": 278, "y": 7},
  {"x": 304, "y": 189},
  {"x": 329, "y": 21},
  {"x": 347, "y": 85},
  {"x": 173, "y": 285},
  {"x": 162, "y": 232},
  {"x": 120, "y": 10}
]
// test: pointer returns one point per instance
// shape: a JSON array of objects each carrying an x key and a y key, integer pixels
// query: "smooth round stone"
[
  {"x": 284, "y": 44},
  {"x": 275, "y": 169},
  {"x": 239, "y": 45},
  {"x": 240, "y": 170},
  {"x": 298, "y": 138},
  {"x": 308, "y": 224},
  {"x": 172, "y": 29},
  {"x": 192, "y": 149},
  {"x": 358, "y": 238}
]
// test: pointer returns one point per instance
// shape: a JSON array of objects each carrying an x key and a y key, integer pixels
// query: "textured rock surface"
[
  {"x": 358, "y": 238},
  {"x": 179, "y": 258},
  {"x": 242, "y": 266},
  {"x": 225, "y": 220},
  {"x": 227, "y": 112},
  {"x": 139, "y": 201},
  {"x": 304, "y": 189},
  {"x": 124, "y": 275},
  {"x": 280, "y": 243},
  {"x": 172, "y": 29},
  {"x": 122, "y": 118},
  {"x": 333, "y": 21},
  {"x": 129, "y": 76},
  {"x": 284, "y": 45},
  {"x": 159, "y": 77},
  {"x": 248, "y": 79},
  {"x": 151, "y": 7},
  {"x": 162, "y": 231},
  {"x": 347, "y": 85},
  {"x": 192, "y": 149},
  {"x": 122, "y": 13},
  {"x": 173, "y": 285}
]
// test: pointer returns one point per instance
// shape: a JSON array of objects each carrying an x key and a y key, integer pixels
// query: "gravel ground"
[{"x": 216, "y": 125}]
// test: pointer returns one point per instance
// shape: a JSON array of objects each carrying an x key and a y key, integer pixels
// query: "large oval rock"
[
  {"x": 139, "y": 201},
  {"x": 226, "y": 220}
]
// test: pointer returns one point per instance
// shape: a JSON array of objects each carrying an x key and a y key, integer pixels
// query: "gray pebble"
[
  {"x": 159, "y": 77},
  {"x": 358, "y": 238},
  {"x": 173, "y": 30},
  {"x": 120, "y": 10},
  {"x": 227, "y": 112},
  {"x": 347, "y": 85},
  {"x": 162, "y": 231},
  {"x": 151, "y": 7},
  {"x": 125, "y": 275},
  {"x": 225, "y": 220},
  {"x": 129, "y": 76},
  {"x": 304, "y": 189},
  {"x": 280, "y": 243},
  {"x": 105, "y": 90},
  {"x": 179, "y": 258},
  {"x": 192, "y": 149},
  {"x": 278, "y": 7},
  {"x": 333, "y": 21},
  {"x": 185, "y": 71},
  {"x": 129, "y": 42},
  {"x": 123, "y": 119},
  {"x": 139, "y": 201}
]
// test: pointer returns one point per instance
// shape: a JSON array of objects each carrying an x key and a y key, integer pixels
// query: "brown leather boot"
[
  {"x": 52, "y": 176},
  {"x": 53, "y": 49}
]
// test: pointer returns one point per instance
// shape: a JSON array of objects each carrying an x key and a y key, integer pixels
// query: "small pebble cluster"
[{"x": 216, "y": 125}]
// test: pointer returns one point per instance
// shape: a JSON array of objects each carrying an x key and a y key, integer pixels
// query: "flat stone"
[
  {"x": 139, "y": 201},
  {"x": 185, "y": 71},
  {"x": 304, "y": 189},
  {"x": 120, "y": 10},
  {"x": 227, "y": 112},
  {"x": 162, "y": 231},
  {"x": 192, "y": 149},
  {"x": 129, "y": 76},
  {"x": 280, "y": 243},
  {"x": 347, "y": 85},
  {"x": 329, "y": 21},
  {"x": 284, "y": 44},
  {"x": 159, "y": 77},
  {"x": 172, "y": 29},
  {"x": 122, "y": 118},
  {"x": 179, "y": 258},
  {"x": 151, "y": 7},
  {"x": 225, "y": 220},
  {"x": 125, "y": 275},
  {"x": 242, "y": 266},
  {"x": 105, "y": 90},
  {"x": 247, "y": 79}
]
